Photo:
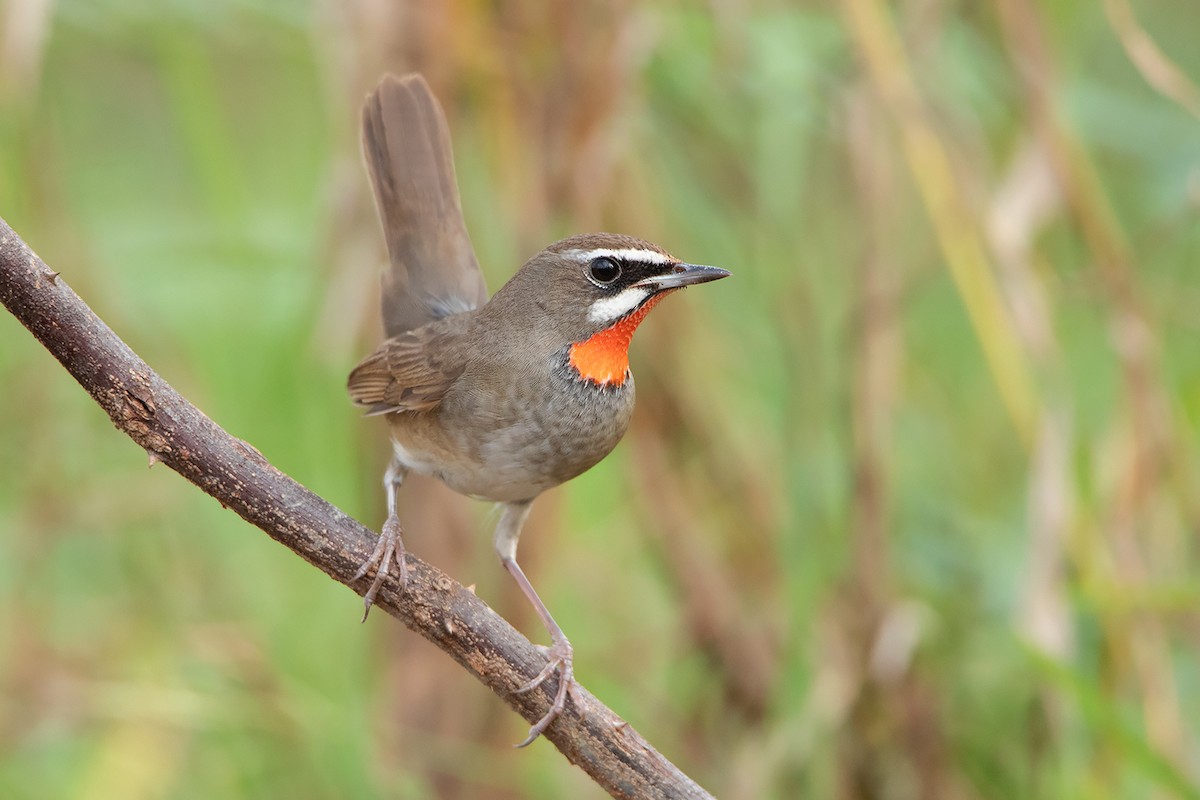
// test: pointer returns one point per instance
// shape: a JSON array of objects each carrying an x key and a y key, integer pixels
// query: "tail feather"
[{"x": 406, "y": 144}]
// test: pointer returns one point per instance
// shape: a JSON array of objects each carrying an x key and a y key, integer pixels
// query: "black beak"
[{"x": 679, "y": 275}]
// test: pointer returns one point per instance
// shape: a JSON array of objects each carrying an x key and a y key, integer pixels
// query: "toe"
[{"x": 567, "y": 686}]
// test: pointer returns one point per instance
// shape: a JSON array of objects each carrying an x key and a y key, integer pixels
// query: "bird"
[{"x": 501, "y": 398}]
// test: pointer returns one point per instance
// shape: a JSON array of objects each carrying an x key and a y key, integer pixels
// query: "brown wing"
[{"x": 406, "y": 373}]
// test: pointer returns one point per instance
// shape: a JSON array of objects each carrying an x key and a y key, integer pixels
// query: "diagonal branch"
[{"x": 174, "y": 431}]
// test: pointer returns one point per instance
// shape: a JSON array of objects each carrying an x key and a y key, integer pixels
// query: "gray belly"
[{"x": 520, "y": 438}]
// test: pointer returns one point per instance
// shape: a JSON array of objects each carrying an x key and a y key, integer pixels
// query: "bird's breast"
[{"x": 512, "y": 434}]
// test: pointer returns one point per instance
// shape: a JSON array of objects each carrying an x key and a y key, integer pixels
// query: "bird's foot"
[
  {"x": 389, "y": 548},
  {"x": 561, "y": 659}
]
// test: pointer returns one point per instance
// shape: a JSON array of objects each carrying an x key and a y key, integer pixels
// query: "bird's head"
[{"x": 589, "y": 292}]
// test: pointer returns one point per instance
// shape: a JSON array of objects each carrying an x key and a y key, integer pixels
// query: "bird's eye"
[{"x": 604, "y": 270}]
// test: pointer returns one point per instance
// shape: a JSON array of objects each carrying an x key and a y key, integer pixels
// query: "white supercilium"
[{"x": 626, "y": 254}]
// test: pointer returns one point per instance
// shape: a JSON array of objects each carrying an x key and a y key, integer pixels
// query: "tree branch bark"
[{"x": 172, "y": 430}]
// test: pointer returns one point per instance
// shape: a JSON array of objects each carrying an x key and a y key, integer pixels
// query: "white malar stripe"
[
  {"x": 609, "y": 309},
  {"x": 624, "y": 254}
]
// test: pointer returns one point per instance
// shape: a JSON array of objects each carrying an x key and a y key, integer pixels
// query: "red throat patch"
[{"x": 603, "y": 358}]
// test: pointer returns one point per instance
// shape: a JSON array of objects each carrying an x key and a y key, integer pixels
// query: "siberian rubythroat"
[{"x": 504, "y": 398}]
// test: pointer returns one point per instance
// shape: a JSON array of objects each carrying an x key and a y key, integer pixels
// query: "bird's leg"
[
  {"x": 508, "y": 530},
  {"x": 390, "y": 546}
]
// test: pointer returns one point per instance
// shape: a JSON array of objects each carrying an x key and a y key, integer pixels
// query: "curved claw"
[
  {"x": 388, "y": 548},
  {"x": 561, "y": 661}
]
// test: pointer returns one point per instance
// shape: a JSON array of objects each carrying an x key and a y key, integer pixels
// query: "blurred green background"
[{"x": 910, "y": 507}]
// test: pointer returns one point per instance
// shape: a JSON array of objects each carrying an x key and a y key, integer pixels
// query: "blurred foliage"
[{"x": 910, "y": 504}]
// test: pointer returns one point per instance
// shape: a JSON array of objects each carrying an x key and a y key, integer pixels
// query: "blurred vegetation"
[{"x": 910, "y": 507}]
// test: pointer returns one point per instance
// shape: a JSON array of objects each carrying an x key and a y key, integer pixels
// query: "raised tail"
[{"x": 406, "y": 145}]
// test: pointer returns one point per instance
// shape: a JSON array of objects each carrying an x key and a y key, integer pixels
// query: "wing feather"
[{"x": 404, "y": 375}]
